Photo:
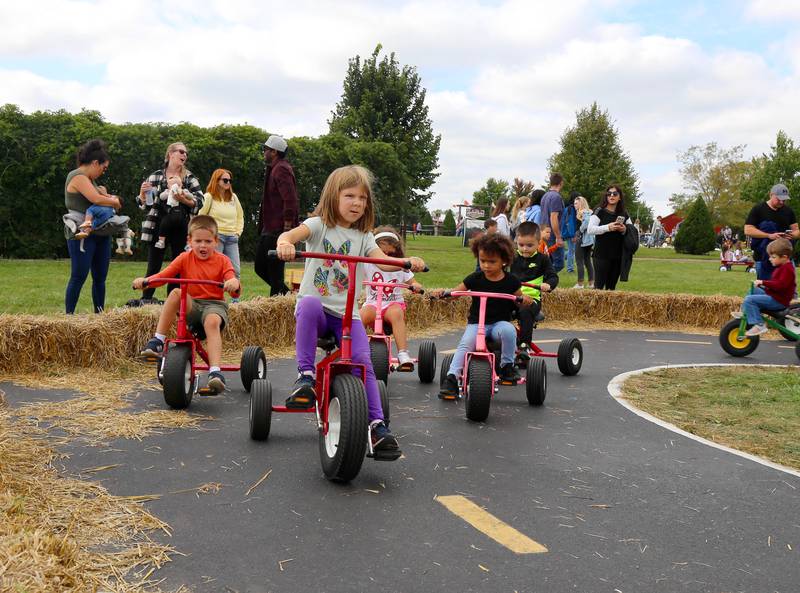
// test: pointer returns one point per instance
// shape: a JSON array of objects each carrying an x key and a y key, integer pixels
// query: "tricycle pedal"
[{"x": 385, "y": 455}]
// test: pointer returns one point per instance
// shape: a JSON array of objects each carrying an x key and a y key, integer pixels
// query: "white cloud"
[{"x": 506, "y": 78}]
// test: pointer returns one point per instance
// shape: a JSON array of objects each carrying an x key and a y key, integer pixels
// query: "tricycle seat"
[{"x": 327, "y": 342}]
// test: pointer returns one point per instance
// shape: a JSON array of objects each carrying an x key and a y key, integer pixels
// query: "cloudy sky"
[{"x": 504, "y": 78}]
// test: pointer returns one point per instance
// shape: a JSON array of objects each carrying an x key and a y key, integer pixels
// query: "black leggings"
[
  {"x": 270, "y": 269},
  {"x": 175, "y": 238},
  {"x": 583, "y": 257},
  {"x": 527, "y": 314},
  {"x": 606, "y": 273}
]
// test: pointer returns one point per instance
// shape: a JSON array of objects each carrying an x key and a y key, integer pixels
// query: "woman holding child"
[
  {"x": 92, "y": 252},
  {"x": 167, "y": 224}
]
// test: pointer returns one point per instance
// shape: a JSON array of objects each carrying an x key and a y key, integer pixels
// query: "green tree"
[
  {"x": 493, "y": 190},
  {"x": 384, "y": 102},
  {"x": 591, "y": 158},
  {"x": 427, "y": 219},
  {"x": 696, "y": 232},
  {"x": 715, "y": 174},
  {"x": 449, "y": 223},
  {"x": 781, "y": 165}
]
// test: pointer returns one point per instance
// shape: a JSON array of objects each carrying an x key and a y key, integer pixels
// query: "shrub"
[
  {"x": 449, "y": 224},
  {"x": 696, "y": 233}
]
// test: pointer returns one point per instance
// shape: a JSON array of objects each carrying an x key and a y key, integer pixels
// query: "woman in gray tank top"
[{"x": 80, "y": 192}]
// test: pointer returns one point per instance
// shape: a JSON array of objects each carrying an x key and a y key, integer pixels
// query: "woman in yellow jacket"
[{"x": 223, "y": 206}]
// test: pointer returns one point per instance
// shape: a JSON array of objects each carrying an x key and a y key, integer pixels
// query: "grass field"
[
  {"x": 756, "y": 409},
  {"x": 37, "y": 286}
]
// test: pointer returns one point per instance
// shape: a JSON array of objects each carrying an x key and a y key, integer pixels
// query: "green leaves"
[{"x": 696, "y": 232}]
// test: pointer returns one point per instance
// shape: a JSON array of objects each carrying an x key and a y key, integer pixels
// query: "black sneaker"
[
  {"x": 154, "y": 348},
  {"x": 509, "y": 374},
  {"x": 449, "y": 388},
  {"x": 382, "y": 438},
  {"x": 522, "y": 356},
  {"x": 216, "y": 381},
  {"x": 303, "y": 394}
]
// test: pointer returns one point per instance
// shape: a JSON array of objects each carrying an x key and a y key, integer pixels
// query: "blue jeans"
[
  {"x": 570, "y": 255},
  {"x": 759, "y": 301},
  {"x": 95, "y": 257},
  {"x": 557, "y": 257},
  {"x": 229, "y": 245},
  {"x": 502, "y": 332}
]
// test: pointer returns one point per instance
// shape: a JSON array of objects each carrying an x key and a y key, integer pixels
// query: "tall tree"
[
  {"x": 591, "y": 158},
  {"x": 715, "y": 174},
  {"x": 493, "y": 190},
  {"x": 781, "y": 165},
  {"x": 384, "y": 102}
]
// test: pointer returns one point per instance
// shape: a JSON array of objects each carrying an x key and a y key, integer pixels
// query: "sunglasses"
[
  {"x": 613, "y": 192},
  {"x": 180, "y": 150},
  {"x": 225, "y": 180}
]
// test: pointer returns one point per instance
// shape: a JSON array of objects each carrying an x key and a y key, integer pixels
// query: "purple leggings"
[{"x": 313, "y": 322}]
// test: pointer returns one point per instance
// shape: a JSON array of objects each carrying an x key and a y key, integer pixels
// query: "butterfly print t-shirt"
[
  {"x": 328, "y": 280},
  {"x": 390, "y": 295}
]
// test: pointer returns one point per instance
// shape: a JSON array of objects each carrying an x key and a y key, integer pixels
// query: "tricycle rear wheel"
[
  {"x": 379, "y": 355},
  {"x": 253, "y": 366},
  {"x": 342, "y": 449},
  {"x": 536, "y": 381},
  {"x": 384, "y": 391},
  {"x": 570, "y": 356},
  {"x": 426, "y": 361},
  {"x": 260, "y": 409}
]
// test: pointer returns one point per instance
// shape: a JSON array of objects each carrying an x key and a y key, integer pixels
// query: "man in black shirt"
[{"x": 768, "y": 221}]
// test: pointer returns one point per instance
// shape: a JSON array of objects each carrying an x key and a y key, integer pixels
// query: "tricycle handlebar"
[
  {"x": 161, "y": 281},
  {"x": 410, "y": 287},
  {"x": 490, "y": 295},
  {"x": 399, "y": 263}
]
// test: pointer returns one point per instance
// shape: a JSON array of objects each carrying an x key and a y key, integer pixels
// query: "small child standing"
[
  {"x": 393, "y": 306},
  {"x": 777, "y": 292},
  {"x": 205, "y": 304},
  {"x": 545, "y": 234},
  {"x": 494, "y": 252},
  {"x": 341, "y": 224},
  {"x": 531, "y": 267},
  {"x": 173, "y": 217}
]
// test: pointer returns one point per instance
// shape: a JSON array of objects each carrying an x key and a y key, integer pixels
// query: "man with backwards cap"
[
  {"x": 279, "y": 212},
  {"x": 768, "y": 221}
]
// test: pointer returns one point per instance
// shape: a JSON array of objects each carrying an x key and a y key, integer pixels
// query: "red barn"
[{"x": 670, "y": 221}]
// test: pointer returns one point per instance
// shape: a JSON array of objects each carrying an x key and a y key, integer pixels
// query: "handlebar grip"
[
  {"x": 274, "y": 253},
  {"x": 426, "y": 269},
  {"x": 519, "y": 299},
  {"x": 146, "y": 283}
]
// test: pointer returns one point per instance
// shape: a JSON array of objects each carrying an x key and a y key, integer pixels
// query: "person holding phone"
[
  {"x": 767, "y": 222},
  {"x": 607, "y": 224}
]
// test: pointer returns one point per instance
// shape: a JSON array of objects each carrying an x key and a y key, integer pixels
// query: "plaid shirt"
[{"x": 159, "y": 208}]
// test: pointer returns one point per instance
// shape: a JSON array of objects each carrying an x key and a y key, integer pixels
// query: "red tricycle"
[
  {"x": 569, "y": 355},
  {"x": 178, "y": 370},
  {"x": 479, "y": 378},
  {"x": 341, "y": 400},
  {"x": 380, "y": 342}
]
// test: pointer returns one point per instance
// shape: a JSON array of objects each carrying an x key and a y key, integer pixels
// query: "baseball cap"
[
  {"x": 780, "y": 191},
  {"x": 276, "y": 142}
]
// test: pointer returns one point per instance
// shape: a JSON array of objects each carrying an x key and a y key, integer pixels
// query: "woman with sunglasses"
[
  {"x": 607, "y": 224},
  {"x": 223, "y": 205},
  {"x": 152, "y": 196}
]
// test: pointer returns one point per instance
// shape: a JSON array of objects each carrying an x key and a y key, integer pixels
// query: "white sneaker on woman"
[{"x": 578, "y": 286}]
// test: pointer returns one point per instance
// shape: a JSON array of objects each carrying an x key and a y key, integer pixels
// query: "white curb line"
[{"x": 615, "y": 389}]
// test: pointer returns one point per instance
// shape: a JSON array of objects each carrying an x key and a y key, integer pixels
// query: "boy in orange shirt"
[
  {"x": 545, "y": 236},
  {"x": 205, "y": 304}
]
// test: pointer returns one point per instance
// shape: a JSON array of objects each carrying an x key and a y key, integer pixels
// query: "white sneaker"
[
  {"x": 159, "y": 244},
  {"x": 756, "y": 330},
  {"x": 578, "y": 286},
  {"x": 736, "y": 314},
  {"x": 404, "y": 360}
]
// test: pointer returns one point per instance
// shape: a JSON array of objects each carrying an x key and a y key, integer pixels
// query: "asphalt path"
[{"x": 620, "y": 504}]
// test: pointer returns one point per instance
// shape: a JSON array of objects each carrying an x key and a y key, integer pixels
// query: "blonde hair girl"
[{"x": 341, "y": 224}]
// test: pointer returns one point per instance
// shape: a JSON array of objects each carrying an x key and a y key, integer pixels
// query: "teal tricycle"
[{"x": 786, "y": 322}]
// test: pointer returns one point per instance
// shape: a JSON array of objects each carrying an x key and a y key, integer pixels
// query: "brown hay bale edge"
[{"x": 36, "y": 343}]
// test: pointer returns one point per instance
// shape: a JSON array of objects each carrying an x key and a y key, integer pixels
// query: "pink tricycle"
[
  {"x": 380, "y": 342},
  {"x": 479, "y": 378}
]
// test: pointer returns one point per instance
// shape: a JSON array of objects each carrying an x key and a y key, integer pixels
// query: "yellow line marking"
[
  {"x": 679, "y": 342},
  {"x": 488, "y": 524},
  {"x": 453, "y": 351},
  {"x": 787, "y": 347}
]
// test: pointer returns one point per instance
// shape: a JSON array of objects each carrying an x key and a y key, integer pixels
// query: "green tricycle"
[{"x": 786, "y": 322}]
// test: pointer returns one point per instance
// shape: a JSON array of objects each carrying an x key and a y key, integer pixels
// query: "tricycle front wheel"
[
  {"x": 343, "y": 447},
  {"x": 730, "y": 342}
]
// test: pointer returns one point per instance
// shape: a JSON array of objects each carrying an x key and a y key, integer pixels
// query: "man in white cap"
[
  {"x": 768, "y": 221},
  {"x": 279, "y": 212}
]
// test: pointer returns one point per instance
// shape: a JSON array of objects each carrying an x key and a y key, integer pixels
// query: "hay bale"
[{"x": 38, "y": 343}]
